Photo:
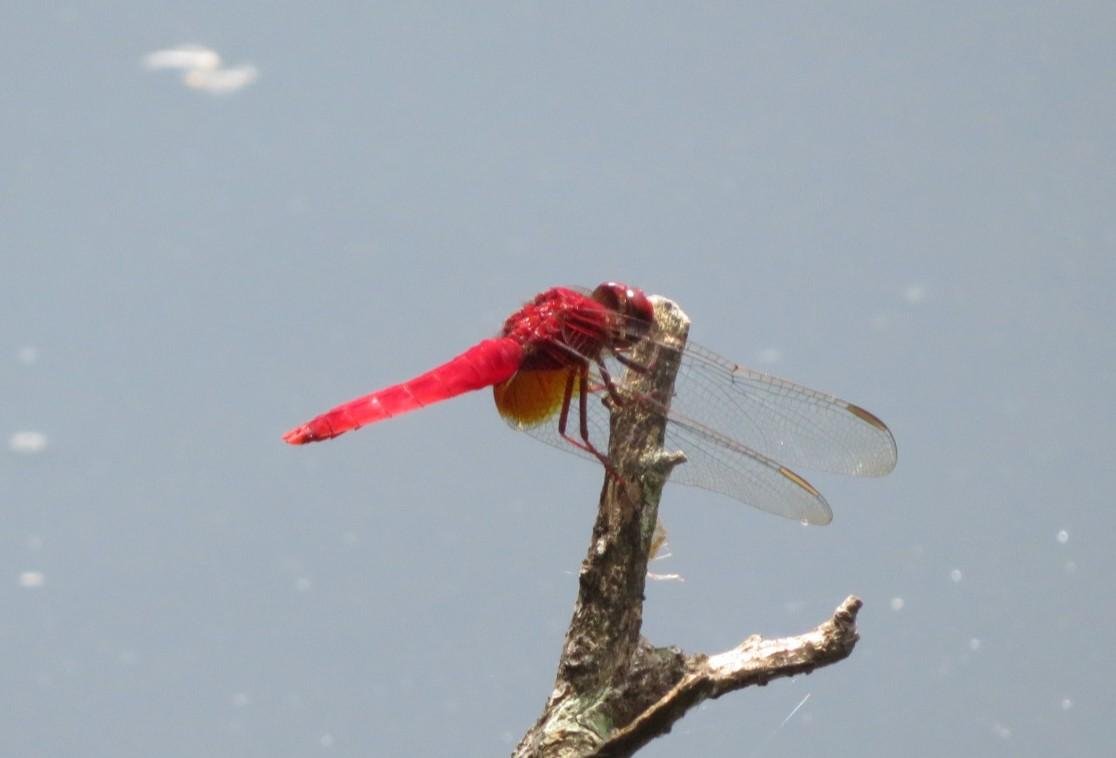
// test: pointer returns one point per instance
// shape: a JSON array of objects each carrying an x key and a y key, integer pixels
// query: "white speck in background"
[
  {"x": 914, "y": 294},
  {"x": 28, "y": 355},
  {"x": 956, "y": 576},
  {"x": 1063, "y": 536},
  {"x": 31, "y": 579},
  {"x": 27, "y": 442},
  {"x": 183, "y": 57},
  {"x": 221, "y": 81},
  {"x": 202, "y": 69},
  {"x": 897, "y": 603}
]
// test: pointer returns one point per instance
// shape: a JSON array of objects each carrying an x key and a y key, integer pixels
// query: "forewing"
[{"x": 779, "y": 419}]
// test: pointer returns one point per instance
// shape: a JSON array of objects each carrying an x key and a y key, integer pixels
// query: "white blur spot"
[
  {"x": 222, "y": 81},
  {"x": 665, "y": 577},
  {"x": 202, "y": 69},
  {"x": 974, "y": 644},
  {"x": 27, "y": 443},
  {"x": 326, "y": 740},
  {"x": 27, "y": 355},
  {"x": 241, "y": 699},
  {"x": 770, "y": 355},
  {"x": 184, "y": 57},
  {"x": 1071, "y": 567},
  {"x": 955, "y": 576},
  {"x": 1066, "y": 704},
  {"x": 897, "y": 603},
  {"x": 1063, "y": 537},
  {"x": 1002, "y": 731},
  {"x": 302, "y": 584},
  {"x": 914, "y": 294},
  {"x": 31, "y": 579}
]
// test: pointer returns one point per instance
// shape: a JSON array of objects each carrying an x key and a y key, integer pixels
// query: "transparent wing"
[
  {"x": 787, "y": 422},
  {"x": 777, "y": 418},
  {"x": 717, "y": 463},
  {"x": 714, "y": 462}
]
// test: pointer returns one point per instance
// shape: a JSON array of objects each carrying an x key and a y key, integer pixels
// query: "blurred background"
[{"x": 910, "y": 207}]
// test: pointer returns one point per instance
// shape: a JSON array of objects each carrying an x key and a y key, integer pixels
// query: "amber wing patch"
[{"x": 531, "y": 397}]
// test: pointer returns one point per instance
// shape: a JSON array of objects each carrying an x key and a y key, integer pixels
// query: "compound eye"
[
  {"x": 638, "y": 306},
  {"x": 611, "y": 296}
]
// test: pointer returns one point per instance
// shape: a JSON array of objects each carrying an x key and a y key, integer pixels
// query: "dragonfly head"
[{"x": 632, "y": 305}]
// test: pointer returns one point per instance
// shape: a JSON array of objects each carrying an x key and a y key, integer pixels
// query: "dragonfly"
[{"x": 553, "y": 371}]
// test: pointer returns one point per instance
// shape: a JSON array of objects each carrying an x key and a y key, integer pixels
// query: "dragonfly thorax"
[{"x": 559, "y": 328}]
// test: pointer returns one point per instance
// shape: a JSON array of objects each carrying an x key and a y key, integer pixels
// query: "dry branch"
[{"x": 615, "y": 691}]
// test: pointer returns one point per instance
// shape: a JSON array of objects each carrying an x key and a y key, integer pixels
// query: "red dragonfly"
[{"x": 741, "y": 430}]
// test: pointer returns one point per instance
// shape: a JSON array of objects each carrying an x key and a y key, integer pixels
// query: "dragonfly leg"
[
  {"x": 581, "y": 376},
  {"x": 610, "y": 385},
  {"x": 629, "y": 362},
  {"x": 564, "y": 416},
  {"x": 614, "y": 394}
]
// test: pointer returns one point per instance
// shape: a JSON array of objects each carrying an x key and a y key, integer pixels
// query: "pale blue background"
[{"x": 912, "y": 204}]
